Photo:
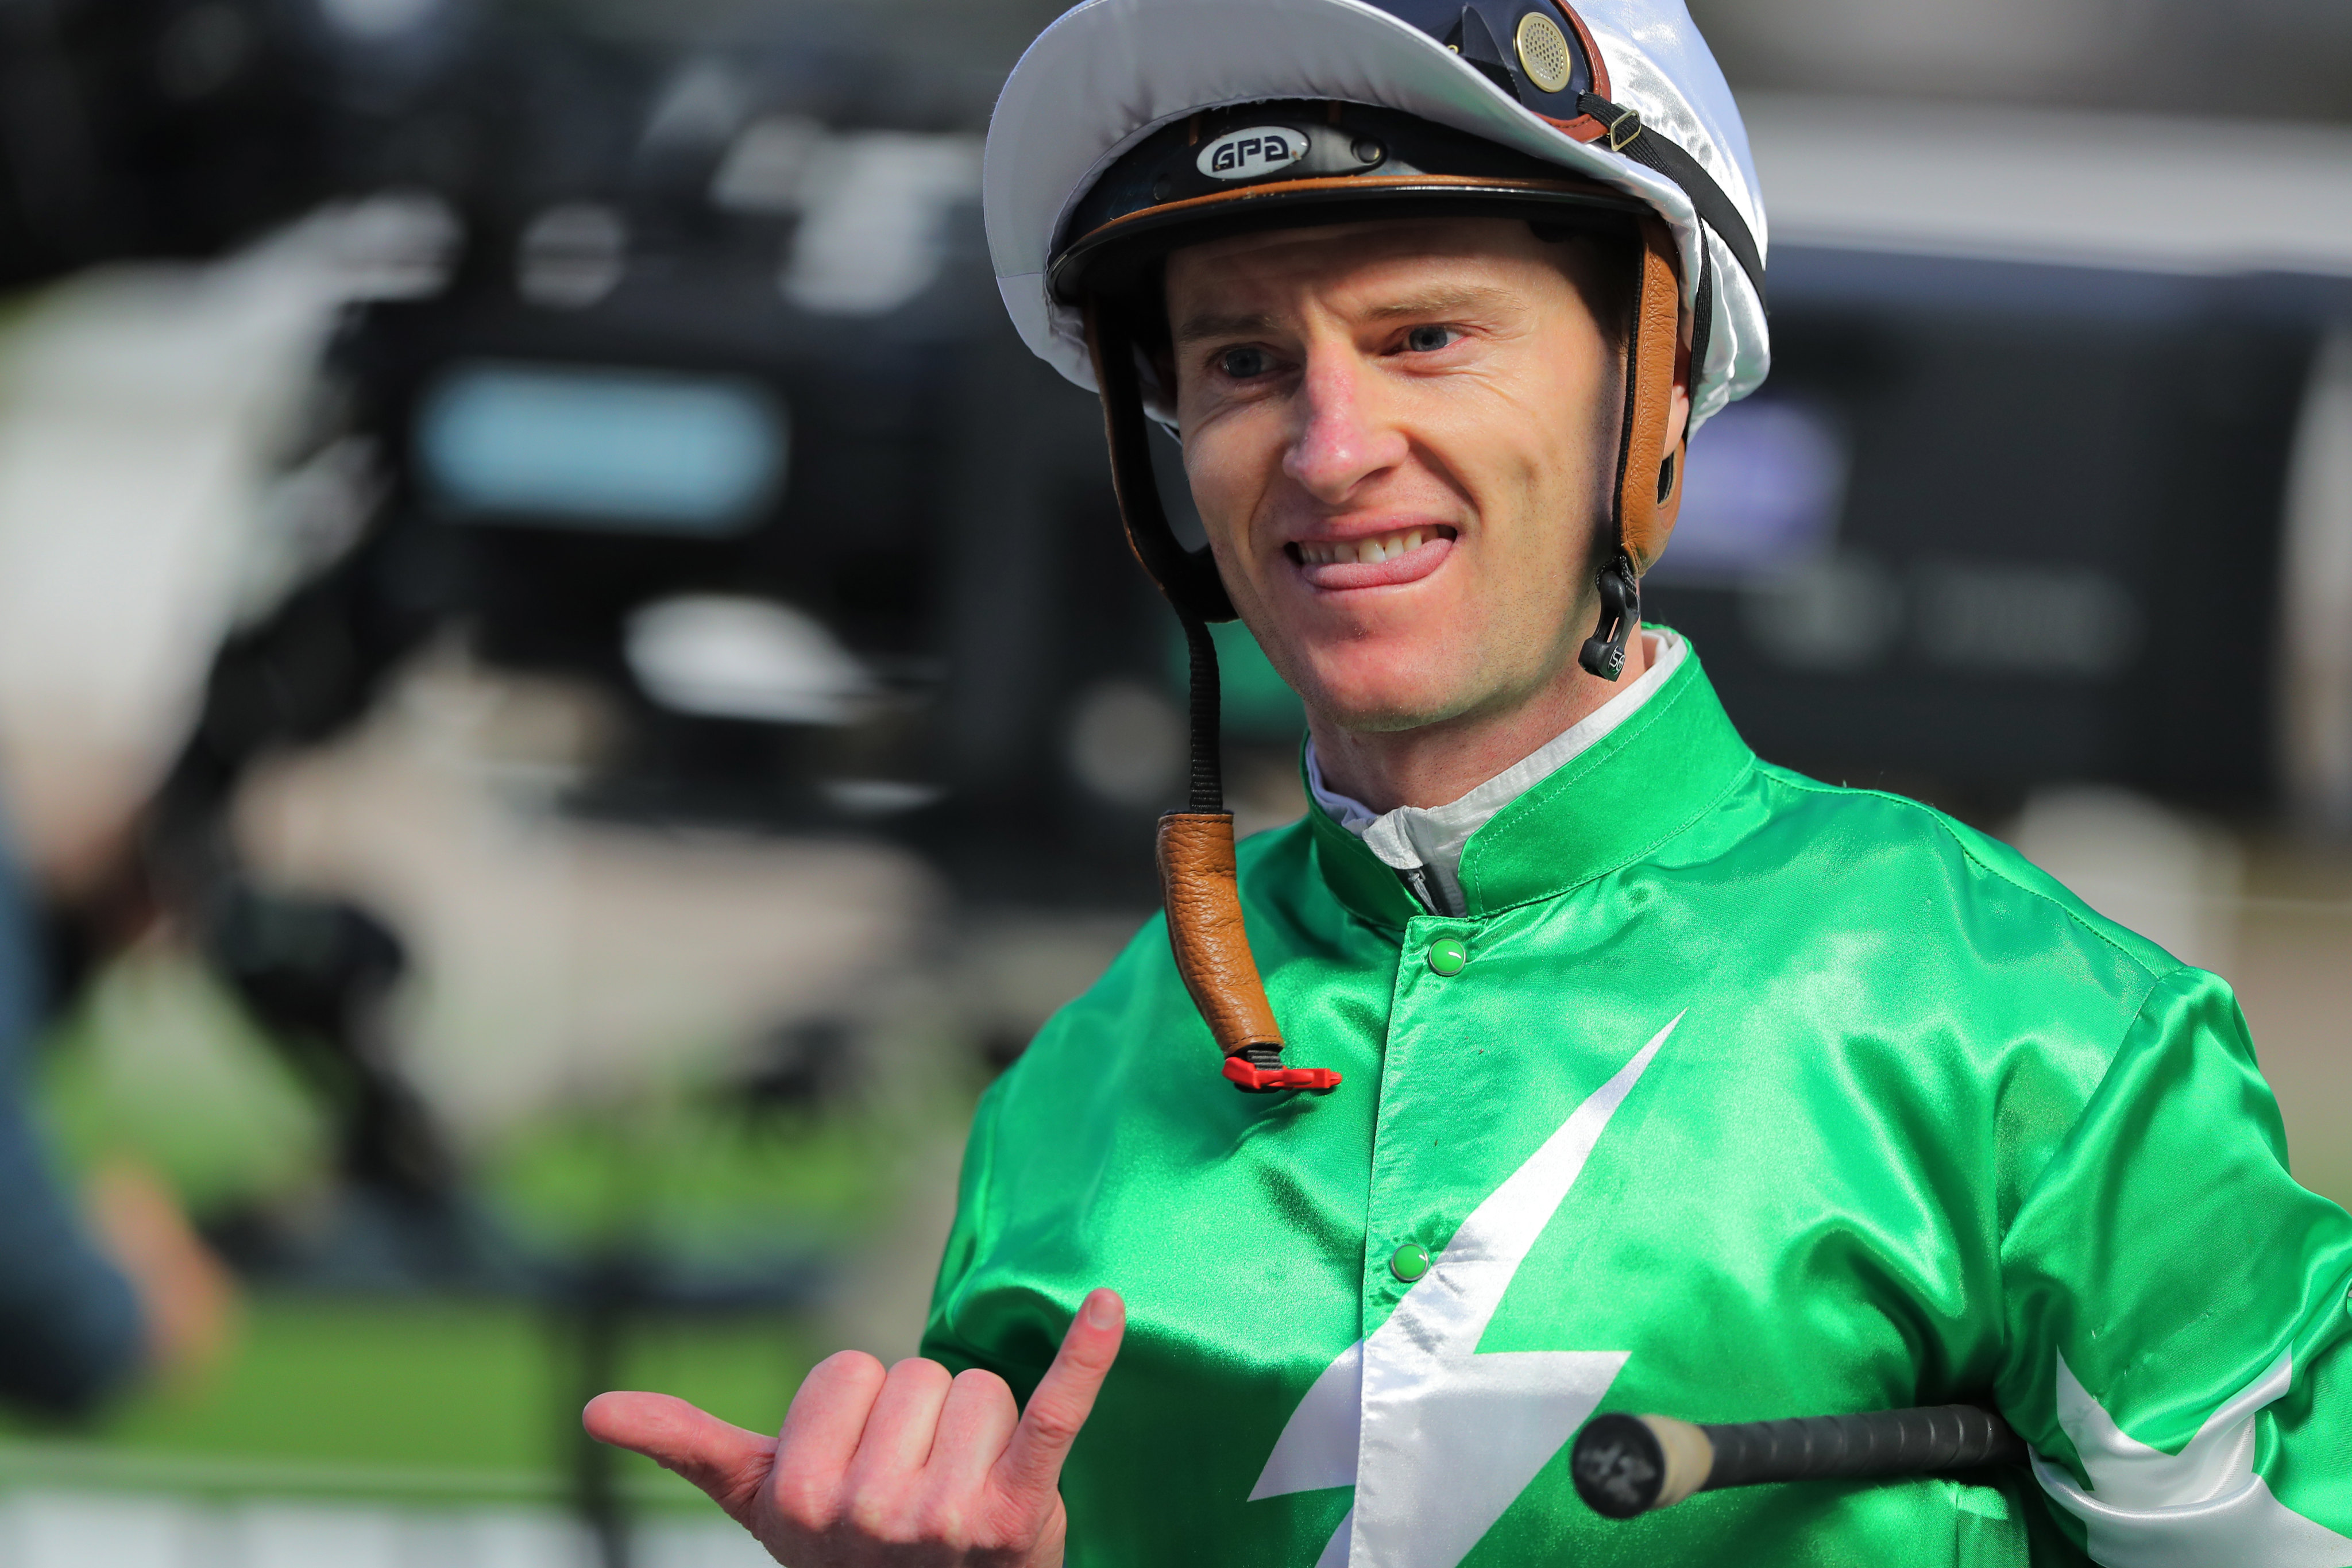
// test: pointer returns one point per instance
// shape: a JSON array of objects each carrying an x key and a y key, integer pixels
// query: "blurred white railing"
[{"x": 41, "y": 1528}]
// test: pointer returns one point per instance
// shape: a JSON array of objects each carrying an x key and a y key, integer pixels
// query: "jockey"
[{"x": 1587, "y": 1061}]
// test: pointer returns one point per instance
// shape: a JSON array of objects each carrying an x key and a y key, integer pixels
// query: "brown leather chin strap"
[
  {"x": 1198, "y": 883},
  {"x": 1649, "y": 477},
  {"x": 1648, "y": 491},
  {"x": 1197, "y": 879}
]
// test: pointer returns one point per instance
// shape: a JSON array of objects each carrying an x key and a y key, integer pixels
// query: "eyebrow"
[
  {"x": 1445, "y": 299},
  {"x": 1210, "y": 325}
]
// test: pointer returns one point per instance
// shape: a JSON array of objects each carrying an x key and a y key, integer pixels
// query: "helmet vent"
[{"x": 1544, "y": 53}]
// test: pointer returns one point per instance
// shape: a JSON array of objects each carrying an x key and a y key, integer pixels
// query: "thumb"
[
  {"x": 726, "y": 1461},
  {"x": 1030, "y": 1467}
]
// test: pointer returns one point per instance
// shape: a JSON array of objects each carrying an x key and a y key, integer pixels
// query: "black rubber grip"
[
  {"x": 1622, "y": 1468},
  {"x": 1923, "y": 1441}
]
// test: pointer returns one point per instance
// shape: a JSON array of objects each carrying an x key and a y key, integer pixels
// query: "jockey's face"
[{"x": 1400, "y": 436}]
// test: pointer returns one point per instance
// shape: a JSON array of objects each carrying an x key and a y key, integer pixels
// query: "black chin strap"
[
  {"x": 1207, "y": 791},
  {"x": 1188, "y": 577},
  {"x": 1603, "y": 653},
  {"x": 1206, "y": 929}
]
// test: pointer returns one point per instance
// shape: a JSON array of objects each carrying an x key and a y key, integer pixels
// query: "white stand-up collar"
[{"x": 1423, "y": 844}]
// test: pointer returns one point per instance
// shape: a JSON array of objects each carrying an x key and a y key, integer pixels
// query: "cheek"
[
  {"x": 1227, "y": 463},
  {"x": 1540, "y": 467},
  {"x": 1529, "y": 462},
  {"x": 1576, "y": 456}
]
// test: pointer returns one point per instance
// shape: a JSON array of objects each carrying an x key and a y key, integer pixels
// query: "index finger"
[{"x": 1031, "y": 1464}]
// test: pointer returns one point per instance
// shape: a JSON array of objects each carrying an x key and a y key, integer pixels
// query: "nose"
[{"x": 1339, "y": 437}]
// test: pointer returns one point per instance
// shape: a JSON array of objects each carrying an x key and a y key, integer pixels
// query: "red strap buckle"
[{"x": 1269, "y": 1080}]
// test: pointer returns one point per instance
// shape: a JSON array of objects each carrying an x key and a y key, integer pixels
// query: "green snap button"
[
  {"x": 1409, "y": 1262},
  {"x": 1447, "y": 955}
]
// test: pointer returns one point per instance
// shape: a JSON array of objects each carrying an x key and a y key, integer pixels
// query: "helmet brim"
[{"x": 1110, "y": 259}]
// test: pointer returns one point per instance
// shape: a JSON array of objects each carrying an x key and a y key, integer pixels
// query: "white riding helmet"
[{"x": 1514, "y": 72}]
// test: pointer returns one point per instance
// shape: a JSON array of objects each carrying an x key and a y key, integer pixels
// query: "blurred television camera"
[{"x": 678, "y": 379}]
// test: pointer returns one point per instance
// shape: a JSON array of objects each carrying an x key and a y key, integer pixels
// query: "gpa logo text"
[{"x": 1245, "y": 154}]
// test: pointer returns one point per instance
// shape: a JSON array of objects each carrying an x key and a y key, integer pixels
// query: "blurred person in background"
[
  {"x": 1876, "y": 1114},
  {"x": 90, "y": 1301}
]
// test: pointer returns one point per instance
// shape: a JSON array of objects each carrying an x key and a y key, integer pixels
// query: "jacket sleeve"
[
  {"x": 948, "y": 1335},
  {"x": 991, "y": 1307},
  {"x": 69, "y": 1327},
  {"x": 2178, "y": 1332}
]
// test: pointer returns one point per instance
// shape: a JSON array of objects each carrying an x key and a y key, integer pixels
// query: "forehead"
[{"x": 1372, "y": 255}]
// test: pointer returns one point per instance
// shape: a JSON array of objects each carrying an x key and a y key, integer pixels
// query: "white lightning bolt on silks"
[
  {"x": 1437, "y": 1439},
  {"x": 2201, "y": 1508}
]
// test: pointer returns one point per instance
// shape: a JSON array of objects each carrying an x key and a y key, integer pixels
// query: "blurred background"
[{"x": 569, "y": 693}]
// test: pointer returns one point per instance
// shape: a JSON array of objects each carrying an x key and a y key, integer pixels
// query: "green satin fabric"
[{"x": 1924, "y": 1121}]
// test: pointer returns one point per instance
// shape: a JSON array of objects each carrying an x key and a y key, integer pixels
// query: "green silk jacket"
[{"x": 1755, "y": 1098}]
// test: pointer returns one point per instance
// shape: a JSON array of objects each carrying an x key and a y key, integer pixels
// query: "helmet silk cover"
[{"x": 1110, "y": 72}]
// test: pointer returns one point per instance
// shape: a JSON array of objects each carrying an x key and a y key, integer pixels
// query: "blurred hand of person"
[
  {"x": 187, "y": 1298},
  {"x": 874, "y": 1469}
]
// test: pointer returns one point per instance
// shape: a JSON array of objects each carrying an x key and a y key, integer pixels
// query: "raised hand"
[{"x": 875, "y": 1468}]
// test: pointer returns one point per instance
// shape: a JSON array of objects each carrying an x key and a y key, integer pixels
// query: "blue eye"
[
  {"x": 1428, "y": 339},
  {"x": 1242, "y": 364}
]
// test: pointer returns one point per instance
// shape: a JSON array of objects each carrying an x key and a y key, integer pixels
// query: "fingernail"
[{"x": 1104, "y": 1311}]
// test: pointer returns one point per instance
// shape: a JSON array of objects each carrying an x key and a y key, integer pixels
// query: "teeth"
[{"x": 1367, "y": 551}]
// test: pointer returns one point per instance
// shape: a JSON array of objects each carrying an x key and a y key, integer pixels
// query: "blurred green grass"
[
  {"x": 424, "y": 1393},
  {"x": 159, "y": 1064},
  {"x": 417, "y": 1397}
]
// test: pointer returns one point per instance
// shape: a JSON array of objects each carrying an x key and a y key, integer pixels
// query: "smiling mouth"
[{"x": 1369, "y": 552}]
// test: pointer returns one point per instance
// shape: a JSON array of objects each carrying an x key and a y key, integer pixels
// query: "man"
[
  {"x": 1633, "y": 1073},
  {"x": 85, "y": 1308},
  {"x": 71, "y": 1320}
]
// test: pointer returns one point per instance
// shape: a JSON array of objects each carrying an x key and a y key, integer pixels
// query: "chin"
[{"x": 1387, "y": 696}]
